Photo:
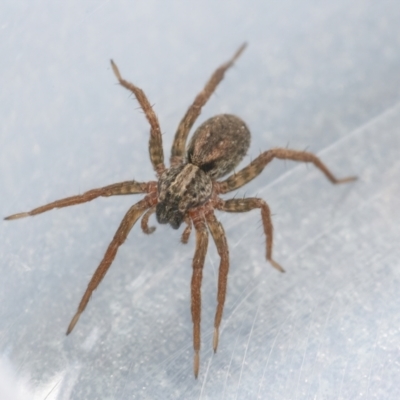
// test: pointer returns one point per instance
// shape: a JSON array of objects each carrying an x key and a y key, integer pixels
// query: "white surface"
[{"x": 320, "y": 75}]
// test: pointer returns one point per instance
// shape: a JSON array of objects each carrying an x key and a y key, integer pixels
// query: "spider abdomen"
[
  {"x": 180, "y": 189},
  {"x": 218, "y": 145}
]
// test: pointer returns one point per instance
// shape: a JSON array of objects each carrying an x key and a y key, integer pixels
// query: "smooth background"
[{"x": 318, "y": 75}]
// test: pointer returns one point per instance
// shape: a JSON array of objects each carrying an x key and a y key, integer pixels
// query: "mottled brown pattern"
[
  {"x": 189, "y": 192},
  {"x": 219, "y": 144},
  {"x": 180, "y": 189},
  {"x": 256, "y": 167}
]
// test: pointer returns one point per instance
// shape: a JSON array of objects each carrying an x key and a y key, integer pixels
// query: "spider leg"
[
  {"x": 218, "y": 234},
  {"x": 145, "y": 221},
  {"x": 256, "y": 167},
  {"x": 187, "y": 231},
  {"x": 126, "y": 225},
  {"x": 129, "y": 187},
  {"x": 155, "y": 144},
  {"x": 178, "y": 147},
  {"x": 243, "y": 205},
  {"x": 198, "y": 263}
]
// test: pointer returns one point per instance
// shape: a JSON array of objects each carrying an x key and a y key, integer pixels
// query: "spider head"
[{"x": 180, "y": 189}]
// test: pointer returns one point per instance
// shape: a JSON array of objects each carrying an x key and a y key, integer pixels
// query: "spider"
[{"x": 188, "y": 191}]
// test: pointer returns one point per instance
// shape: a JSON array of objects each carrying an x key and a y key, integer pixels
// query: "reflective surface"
[{"x": 322, "y": 77}]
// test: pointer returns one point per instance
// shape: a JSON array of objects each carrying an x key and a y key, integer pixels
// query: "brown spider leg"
[
  {"x": 178, "y": 147},
  {"x": 187, "y": 231},
  {"x": 255, "y": 168},
  {"x": 218, "y": 234},
  {"x": 155, "y": 143},
  {"x": 198, "y": 263},
  {"x": 126, "y": 225},
  {"x": 244, "y": 205},
  {"x": 129, "y": 187},
  {"x": 145, "y": 221}
]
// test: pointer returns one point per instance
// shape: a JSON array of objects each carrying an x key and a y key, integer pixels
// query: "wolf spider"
[{"x": 188, "y": 191}]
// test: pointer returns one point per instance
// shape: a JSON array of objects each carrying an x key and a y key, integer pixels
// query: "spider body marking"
[
  {"x": 189, "y": 192},
  {"x": 180, "y": 189},
  {"x": 217, "y": 146}
]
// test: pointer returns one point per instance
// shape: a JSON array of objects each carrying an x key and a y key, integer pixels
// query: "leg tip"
[
  {"x": 16, "y": 216},
  {"x": 240, "y": 50},
  {"x": 115, "y": 70},
  {"x": 196, "y": 364},
  {"x": 276, "y": 265},
  {"x": 73, "y": 323},
  {"x": 347, "y": 180},
  {"x": 215, "y": 339}
]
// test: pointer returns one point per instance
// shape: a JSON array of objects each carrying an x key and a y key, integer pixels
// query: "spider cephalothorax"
[
  {"x": 189, "y": 192},
  {"x": 180, "y": 189}
]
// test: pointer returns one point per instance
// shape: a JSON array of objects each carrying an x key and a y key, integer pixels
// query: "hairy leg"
[
  {"x": 129, "y": 187},
  {"x": 186, "y": 233},
  {"x": 126, "y": 225},
  {"x": 256, "y": 167},
  {"x": 179, "y": 144},
  {"x": 218, "y": 234},
  {"x": 145, "y": 221},
  {"x": 198, "y": 264},
  {"x": 243, "y": 205},
  {"x": 155, "y": 144}
]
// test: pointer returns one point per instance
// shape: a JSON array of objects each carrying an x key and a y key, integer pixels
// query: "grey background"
[{"x": 318, "y": 75}]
